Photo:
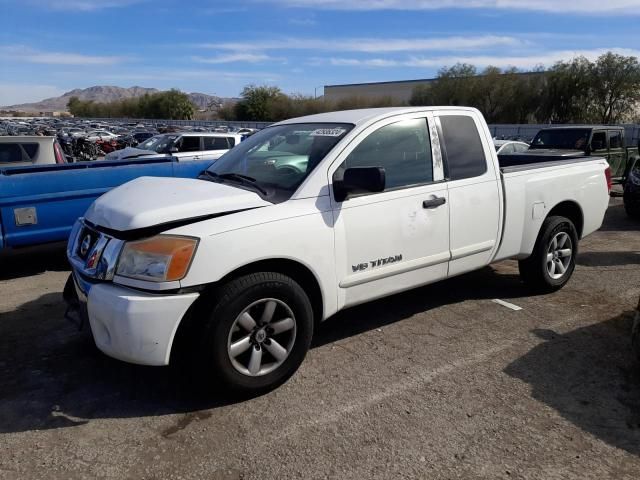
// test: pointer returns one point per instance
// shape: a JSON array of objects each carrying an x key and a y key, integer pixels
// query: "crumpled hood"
[
  {"x": 129, "y": 152},
  {"x": 149, "y": 201}
]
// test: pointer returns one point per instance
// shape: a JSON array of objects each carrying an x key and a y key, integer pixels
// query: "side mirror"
[{"x": 359, "y": 180}]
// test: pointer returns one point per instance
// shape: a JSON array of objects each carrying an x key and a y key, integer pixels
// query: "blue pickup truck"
[{"x": 39, "y": 204}]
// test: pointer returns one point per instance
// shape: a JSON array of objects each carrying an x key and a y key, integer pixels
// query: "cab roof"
[{"x": 365, "y": 115}]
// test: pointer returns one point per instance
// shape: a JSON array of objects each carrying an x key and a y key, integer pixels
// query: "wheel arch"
[
  {"x": 291, "y": 268},
  {"x": 188, "y": 327},
  {"x": 571, "y": 210}
]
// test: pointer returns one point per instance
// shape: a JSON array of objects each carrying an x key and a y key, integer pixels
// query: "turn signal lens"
[{"x": 164, "y": 258}]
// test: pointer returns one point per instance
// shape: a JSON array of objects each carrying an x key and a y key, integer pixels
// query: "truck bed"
[
  {"x": 531, "y": 190},
  {"x": 530, "y": 162}
]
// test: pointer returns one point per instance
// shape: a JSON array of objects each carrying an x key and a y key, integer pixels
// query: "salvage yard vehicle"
[
  {"x": 604, "y": 141},
  {"x": 310, "y": 216},
  {"x": 40, "y": 203},
  {"x": 30, "y": 150},
  {"x": 631, "y": 192},
  {"x": 505, "y": 147},
  {"x": 185, "y": 146}
]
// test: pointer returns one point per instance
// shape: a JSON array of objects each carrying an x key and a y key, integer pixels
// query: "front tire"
[
  {"x": 553, "y": 259},
  {"x": 257, "y": 333}
]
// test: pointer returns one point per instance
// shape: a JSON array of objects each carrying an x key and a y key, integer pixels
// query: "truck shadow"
[
  {"x": 52, "y": 375},
  {"x": 479, "y": 285},
  {"x": 617, "y": 220},
  {"x": 590, "y": 378},
  {"x": 33, "y": 260},
  {"x": 608, "y": 259}
]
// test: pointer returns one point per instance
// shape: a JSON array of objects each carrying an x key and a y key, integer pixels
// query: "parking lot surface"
[{"x": 438, "y": 382}]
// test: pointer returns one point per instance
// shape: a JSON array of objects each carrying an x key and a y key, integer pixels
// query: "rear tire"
[
  {"x": 553, "y": 259},
  {"x": 257, "y": 333}
]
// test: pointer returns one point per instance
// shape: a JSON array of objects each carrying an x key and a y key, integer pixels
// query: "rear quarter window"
[
  {"x": 18, "y": 152},
  {"x": 217, "y": 143},
  {"x": 463, "y": 148},
  {"x": 615, "y": 139},
  {"x": 31, "y": 149}
]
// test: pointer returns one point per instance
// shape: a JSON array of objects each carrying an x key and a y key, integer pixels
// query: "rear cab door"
[
  {"x": 215, "y": 147},
  {"x": 474, "y": 189}
]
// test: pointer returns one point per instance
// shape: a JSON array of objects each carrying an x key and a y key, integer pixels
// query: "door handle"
[{"x": 434, "y": 202}]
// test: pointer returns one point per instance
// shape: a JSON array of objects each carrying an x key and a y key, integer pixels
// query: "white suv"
[{"x": 184, "y": 146}]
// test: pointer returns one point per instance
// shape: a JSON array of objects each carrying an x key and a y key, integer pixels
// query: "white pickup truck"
[{"x": 308, "y": 217}]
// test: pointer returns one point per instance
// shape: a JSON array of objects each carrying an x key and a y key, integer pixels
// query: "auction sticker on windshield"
[{"x": 327, "y": 132}]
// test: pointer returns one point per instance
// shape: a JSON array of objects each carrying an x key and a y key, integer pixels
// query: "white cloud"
[
  {"x": 372, "y": 45},
  {"x": 503, "y": 61},
  {"x": 83, "y": 5},
  {"x": 553, "y": 6},
  {"x": 302, "y": 22},
  {"x": 235, "y": 58},
  {"x": 21, "y": 53},
  {"x": 15, "y": 93}
]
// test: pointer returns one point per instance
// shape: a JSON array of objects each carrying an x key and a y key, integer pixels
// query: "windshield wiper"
[{"x": 238, "y": 177}]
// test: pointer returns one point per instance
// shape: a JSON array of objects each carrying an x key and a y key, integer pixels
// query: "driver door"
[{"x": 397, "y": 239}]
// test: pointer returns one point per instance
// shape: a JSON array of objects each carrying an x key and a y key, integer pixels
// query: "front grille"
[
  {"x": 93, "y": 254},
  {"x": 86, "y": 241}
]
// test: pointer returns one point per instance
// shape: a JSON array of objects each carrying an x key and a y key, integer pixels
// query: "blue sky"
[{"x": 48, "y": 47}]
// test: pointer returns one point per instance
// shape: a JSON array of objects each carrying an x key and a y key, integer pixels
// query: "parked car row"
[{"x": 77, "y": 136}]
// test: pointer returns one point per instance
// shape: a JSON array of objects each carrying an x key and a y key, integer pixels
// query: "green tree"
[
  {"x": 615, "y": 88},
  {"x": 566, "y": 96},
  {"x": 256, "y": 101}
]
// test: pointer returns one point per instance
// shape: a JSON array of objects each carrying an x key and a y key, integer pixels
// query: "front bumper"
[
  {"x": 133, "y": 326},
  {"x": 126, "y": 323}
]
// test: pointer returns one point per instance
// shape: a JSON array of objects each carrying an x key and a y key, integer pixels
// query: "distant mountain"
[{"x": 104, "y": 94}]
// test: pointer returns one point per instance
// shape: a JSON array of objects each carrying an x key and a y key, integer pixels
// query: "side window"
[
  {"x": 190, "y": 144},
  {"x": 232, "y": 142},
  {"x": 31, "y": 149},
  {"x": 615, "y": 139},
  {"x": 216, "y": 143},
  {"x": 599, "y": 141},
  {"x": 463, "y": 148},
  {"x": 403, "y": 149},
  {"x": 11, "y": 152}
]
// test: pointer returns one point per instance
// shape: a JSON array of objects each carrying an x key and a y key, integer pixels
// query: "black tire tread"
[
  {"x": 225, "y": 296},
  {"x": 531, "y": 269}
]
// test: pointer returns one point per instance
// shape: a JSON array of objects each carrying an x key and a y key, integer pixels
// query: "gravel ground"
[{"x": 439, "y": 382}]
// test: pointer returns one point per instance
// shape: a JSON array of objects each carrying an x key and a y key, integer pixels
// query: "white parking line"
[{"x": 506, "y": 304}]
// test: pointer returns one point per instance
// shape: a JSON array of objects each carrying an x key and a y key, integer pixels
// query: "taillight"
[
  {"x": 607, "y": 174},
  {"x": 60, "y": 158}
]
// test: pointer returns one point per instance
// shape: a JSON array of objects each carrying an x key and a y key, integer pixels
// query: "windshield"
[
  {"x": 159, "y": 143},
  {"x": 278, "y": 159},
  {"x": 562, "y": 138}
]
